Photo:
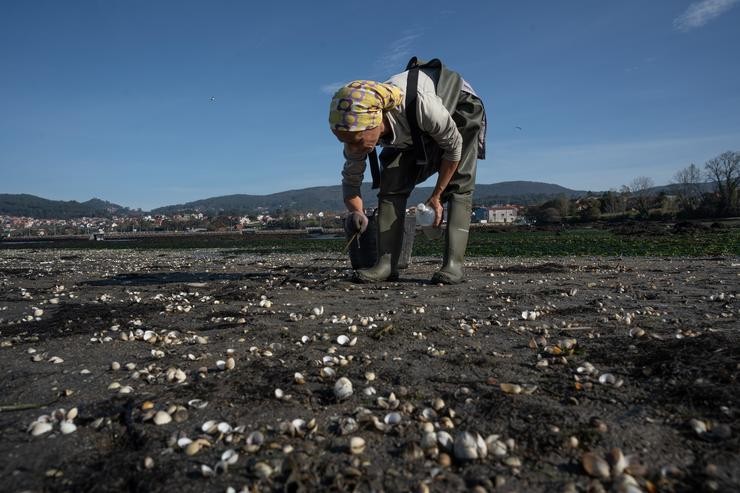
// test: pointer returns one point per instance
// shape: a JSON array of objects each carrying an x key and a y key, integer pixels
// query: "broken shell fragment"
[
  {"x": 197, "y": 403},
  {"x": 511, "y": 388}
]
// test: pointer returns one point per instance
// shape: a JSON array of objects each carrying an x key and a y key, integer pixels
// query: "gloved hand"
[{"x": 355, "y": 222}]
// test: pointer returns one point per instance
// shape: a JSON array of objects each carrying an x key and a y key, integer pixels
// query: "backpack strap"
[
  {"x": 412, "y": 86},
  {"x": 372, "y": 156}
]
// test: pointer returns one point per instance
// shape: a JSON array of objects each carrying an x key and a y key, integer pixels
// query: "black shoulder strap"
[
  {"x": 374, "y": 167},
  {"x": 412, "y": 85}
]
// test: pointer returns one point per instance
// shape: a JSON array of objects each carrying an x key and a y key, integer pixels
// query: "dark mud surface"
[{"x": 661, "y": 333}]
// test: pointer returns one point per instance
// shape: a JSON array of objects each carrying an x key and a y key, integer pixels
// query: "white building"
[{"x": 505, "y": 214}]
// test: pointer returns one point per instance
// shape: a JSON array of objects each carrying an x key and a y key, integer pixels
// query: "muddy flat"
[{"x": 210, "y": 370}]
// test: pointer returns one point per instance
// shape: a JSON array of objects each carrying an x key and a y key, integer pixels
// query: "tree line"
[{"x": 708, "y": 192}]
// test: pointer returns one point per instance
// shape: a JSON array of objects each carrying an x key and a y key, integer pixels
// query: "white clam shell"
[
  {"x": 468, "y": 446},
  {"x": 40, "y": 427},
  {"x": 357, "y": 445},
  {"x": 162, "y": 418},
  {"x": 209, "y": 427},
  {"x": 183, "y": 442},
  {"x": 67, "y": 427},
  {"x": 445, "y": 440},
  {"x": 230, "y": 457},
  {"x": 607, "y": 379},
  {"x": 595, "y": 466},
  {"x": 392, "y": 419},
  {"x": 343, "y": 388},
  {"x": 342, "y": 340}
]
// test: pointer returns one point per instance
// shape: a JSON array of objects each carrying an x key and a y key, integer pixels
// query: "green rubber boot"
[
  {"x": 459, "y": 209},
  {"x": 391, "y": 219}
]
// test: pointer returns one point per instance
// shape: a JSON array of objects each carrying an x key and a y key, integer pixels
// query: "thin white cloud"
[
  {"x": 699, "y": 13},
  {"x": 399, "y": 53},
  {"x": 332, "y": 87}
]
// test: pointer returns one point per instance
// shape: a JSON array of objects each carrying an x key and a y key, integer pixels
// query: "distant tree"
[
  {"x": 548, "y": 215},
  {"x": 689, "y": 193},
  {"x": 640, "y": 189},
  {"x": 613, "y": 202},
  {"x": 724, "y": 170},
  {"x": 592, "y": 211}
]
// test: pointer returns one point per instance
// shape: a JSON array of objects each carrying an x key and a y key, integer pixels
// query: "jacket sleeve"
[
  {"x": 436, "y": 121},
  {"x": 353, "y": 173}
]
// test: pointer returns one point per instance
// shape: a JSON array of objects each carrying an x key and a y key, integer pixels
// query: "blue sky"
[{"x": 112, "y": 99}]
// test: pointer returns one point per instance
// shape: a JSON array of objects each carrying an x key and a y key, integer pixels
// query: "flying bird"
[
  {"x": 213, "y": 100},
  {"x": 518, "y": 128}
]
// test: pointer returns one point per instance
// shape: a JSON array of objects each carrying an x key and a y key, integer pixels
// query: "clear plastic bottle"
[{"x": 424, "y": 215}]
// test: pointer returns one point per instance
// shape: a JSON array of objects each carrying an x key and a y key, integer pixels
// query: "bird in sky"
[
  {"x": 518, "y": 127},
  {"x": 213, "y": 100}
]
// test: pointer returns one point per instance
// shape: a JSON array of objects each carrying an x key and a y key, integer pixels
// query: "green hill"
[{"x": 32, "y": 206}]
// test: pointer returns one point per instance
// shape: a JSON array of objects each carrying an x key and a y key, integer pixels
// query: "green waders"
[{"x": 400, "y": 174}]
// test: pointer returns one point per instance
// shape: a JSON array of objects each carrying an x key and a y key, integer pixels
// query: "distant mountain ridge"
[
  {"x": 32, "y": 206},
  {"x": 313, "y": 199},
  {"x": 329, "y": 198}
]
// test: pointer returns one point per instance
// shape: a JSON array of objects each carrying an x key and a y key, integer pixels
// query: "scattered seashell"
[
  {"x": 197, "y": 403},
  {"x": 115, "y": 366},
  {"x": 299, "y": 378},
  {"x": 607, "y": 379},
  {"x": 595, "y": 466},
  {"x": 511, "y": 388},
  {"x": 209, "y": 427},
  {"x": 636, "y": 332},
  {"x": 469, "y": 447},
  {"x": 183, "y": 442},
  {"x": 230, "y": 457},
  {"x": 618, "y": 461},
  {"x": 72, "y": 414},
  {"x": 356, "y": 445},
  {"x": 343, "y": 388},
  {"x": 699, "y": 427},
  {"x": 193, "y": 448},
  {"x": 40, "y": 427},
  {"x": 221, "y": 364},
  {"x": 392, "y": 419},
  {"x": 67, "y": 427},
  {"x": 230, "y": 363},
  {"x": 342, "y": 340},
  {"x": 162, "y": 418},
  {"x": 262, "y": 470}
]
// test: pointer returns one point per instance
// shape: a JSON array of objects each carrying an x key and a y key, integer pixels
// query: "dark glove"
[{"x": 355, "y": 222}]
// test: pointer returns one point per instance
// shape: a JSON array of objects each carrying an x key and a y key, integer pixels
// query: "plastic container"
[
  {"x": 424, "y": 215},
  {"x": 363, "y": 251}
]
